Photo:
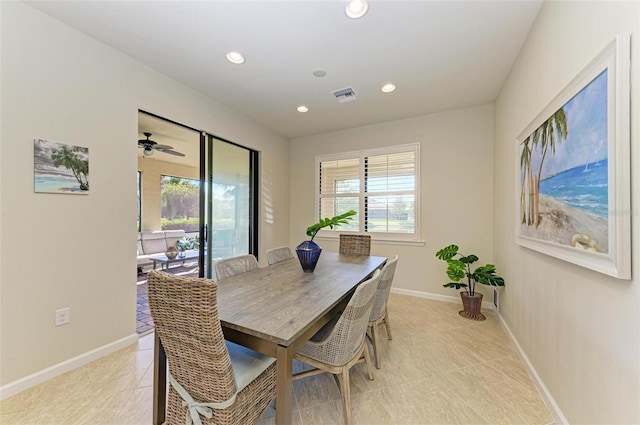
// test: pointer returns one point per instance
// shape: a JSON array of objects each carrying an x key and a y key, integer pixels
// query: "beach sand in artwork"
[{"x": 559, "y": 223}]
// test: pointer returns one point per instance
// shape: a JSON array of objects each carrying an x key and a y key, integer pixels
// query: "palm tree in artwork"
[
  {"x": 67, "y": 156},
  {"x": 553, "y": 130},
  {"x": 526, "y": 203}
]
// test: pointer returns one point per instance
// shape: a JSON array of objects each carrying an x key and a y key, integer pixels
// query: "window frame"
[{"x": 362, "y": 193}]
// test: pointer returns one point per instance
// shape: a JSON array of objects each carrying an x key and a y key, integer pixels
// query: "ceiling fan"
[{"x": 149, "y": 146}]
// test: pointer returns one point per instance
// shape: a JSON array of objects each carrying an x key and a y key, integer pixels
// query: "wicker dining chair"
[
  {"x": 379, "y": 311},
  {"x": 355, "y": 244},
  {"x": 211, "y": 381},
  {"x": 341, "y": 343},
  {"x": 275, "y": 255},
  {"x": 228, "y": 267}
]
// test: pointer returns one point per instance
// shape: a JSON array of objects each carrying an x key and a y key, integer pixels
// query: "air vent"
[{"x": 345, "y": 95}]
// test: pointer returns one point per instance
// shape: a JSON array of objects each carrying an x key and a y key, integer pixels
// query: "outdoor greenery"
[
  {"x": 459, "y": 268},
  {"x": 188, "y": 225},
  {"x": 68, "y": 157},
  {"x": 180, "y": 199},
  {"x": 343, "y": 218}
]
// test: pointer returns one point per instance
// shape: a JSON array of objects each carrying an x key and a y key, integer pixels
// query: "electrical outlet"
[{"x": 63, "y": 316}]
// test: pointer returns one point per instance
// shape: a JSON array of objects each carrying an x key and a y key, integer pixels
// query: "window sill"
[{"x": 378, "y": 241}]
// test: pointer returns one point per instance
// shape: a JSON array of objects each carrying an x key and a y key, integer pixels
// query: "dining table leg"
[{"x": 284, "y": 389}]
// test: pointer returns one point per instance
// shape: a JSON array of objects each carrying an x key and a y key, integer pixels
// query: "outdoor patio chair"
[{"x": 211, "y": 381}]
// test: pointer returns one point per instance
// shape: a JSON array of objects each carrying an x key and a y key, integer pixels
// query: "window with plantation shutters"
[{"x": 381, "y": 185}]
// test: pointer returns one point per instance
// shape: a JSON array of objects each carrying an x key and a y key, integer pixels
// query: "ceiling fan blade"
[
  {"x": 162, "y": 147},
  {"x": 170, "y": 152}
]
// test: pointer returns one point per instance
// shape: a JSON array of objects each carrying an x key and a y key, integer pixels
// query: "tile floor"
[{"x": 439, "y": 369}]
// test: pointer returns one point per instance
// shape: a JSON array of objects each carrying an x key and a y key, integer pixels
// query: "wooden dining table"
[{"x": 276, "y": 309}]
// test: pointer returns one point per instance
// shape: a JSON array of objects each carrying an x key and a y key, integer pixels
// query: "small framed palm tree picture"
[{"x": 60, "y": 168}]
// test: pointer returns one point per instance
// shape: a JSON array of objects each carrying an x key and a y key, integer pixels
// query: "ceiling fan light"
[
  {"x": 356, "y": 8},
  {"x": 147, "y": 152}
]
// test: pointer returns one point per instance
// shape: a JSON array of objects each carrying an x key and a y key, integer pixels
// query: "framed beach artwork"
[
  {"x": 573, "y": 190},
  {"x": 60, "y": 168}
]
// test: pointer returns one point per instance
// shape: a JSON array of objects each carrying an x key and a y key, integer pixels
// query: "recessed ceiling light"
[
  {"x": 235, "y": 57},
  {"x": 302, "y": 108},
  {"x": 388, "y": 88},
  {"x": 356, "y": 8},
  {"x": 319, "y": 72}
]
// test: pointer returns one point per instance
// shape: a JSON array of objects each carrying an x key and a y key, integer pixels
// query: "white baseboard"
[
  {"x": 436, "y": 297},
  {"x": 427, "y": 295},
  {"x": 558, "y": 416},
  {"x": 65, "y": 366}
]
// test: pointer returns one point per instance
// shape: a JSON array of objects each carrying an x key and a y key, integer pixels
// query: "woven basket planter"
[{"x": 472, "y": 305}]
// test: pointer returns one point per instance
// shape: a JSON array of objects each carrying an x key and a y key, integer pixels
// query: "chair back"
[
  {"x": 275, "y": 255},
  {"x": 355, "y": 244},
  {"x": 235, "y": 265},
  {"x": 185, "y": 314},
  {"x": 349, "y": 332},
  {"x": 384, "y": 287}
]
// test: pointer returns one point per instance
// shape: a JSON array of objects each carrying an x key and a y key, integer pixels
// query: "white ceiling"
[{"x": 440, "y": 54}]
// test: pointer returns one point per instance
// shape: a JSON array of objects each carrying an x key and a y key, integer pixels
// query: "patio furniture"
[
  {"x": 150, "y": 244},
  {"x": 166, "y": 261}
]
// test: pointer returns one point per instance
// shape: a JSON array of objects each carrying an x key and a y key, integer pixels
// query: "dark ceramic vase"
[{"x": 308, "y": 254}]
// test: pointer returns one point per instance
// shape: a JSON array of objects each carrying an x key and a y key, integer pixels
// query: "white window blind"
[{"x": 381, "y": 185}]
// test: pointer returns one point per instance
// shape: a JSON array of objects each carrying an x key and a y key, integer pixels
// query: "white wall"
[
  {"x": 456, "y": 168},
  {"x": 579, "y": 329},
  {"x": 79, "y": 251}
]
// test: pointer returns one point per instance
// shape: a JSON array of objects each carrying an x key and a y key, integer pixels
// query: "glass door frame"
[{"x": 206, "y": 200}]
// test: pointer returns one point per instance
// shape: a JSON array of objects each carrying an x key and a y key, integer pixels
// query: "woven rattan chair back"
[
  {"x": 355, "y": 244},
  {"x": 232, "y": 266},
  {"x": 275, "y": 255},
  {"x": 337, "y": 347},
  {"x": 347, "y": 336},
  {"x": 384, "y": 287},
  {"x": 185, "y": 313},
  {"x": 379, "y": 311}
]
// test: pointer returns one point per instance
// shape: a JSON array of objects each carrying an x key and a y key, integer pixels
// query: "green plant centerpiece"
[
  {"x": 308, "y": 251},
  {"x": 459, "y": 268}
]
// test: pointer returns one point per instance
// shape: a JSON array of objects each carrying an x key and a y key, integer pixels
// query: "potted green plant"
[
  {"x": 460, "y": 268},
  {"x": 308, "y": 251},
  {"x": 186, "y": 243}
]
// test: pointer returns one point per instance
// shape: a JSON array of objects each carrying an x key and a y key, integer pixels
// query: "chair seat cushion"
[{"x": 247, "y": 364}]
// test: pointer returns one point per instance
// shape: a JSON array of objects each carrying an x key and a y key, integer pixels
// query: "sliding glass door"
[{"x": 228, "y": 204}]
